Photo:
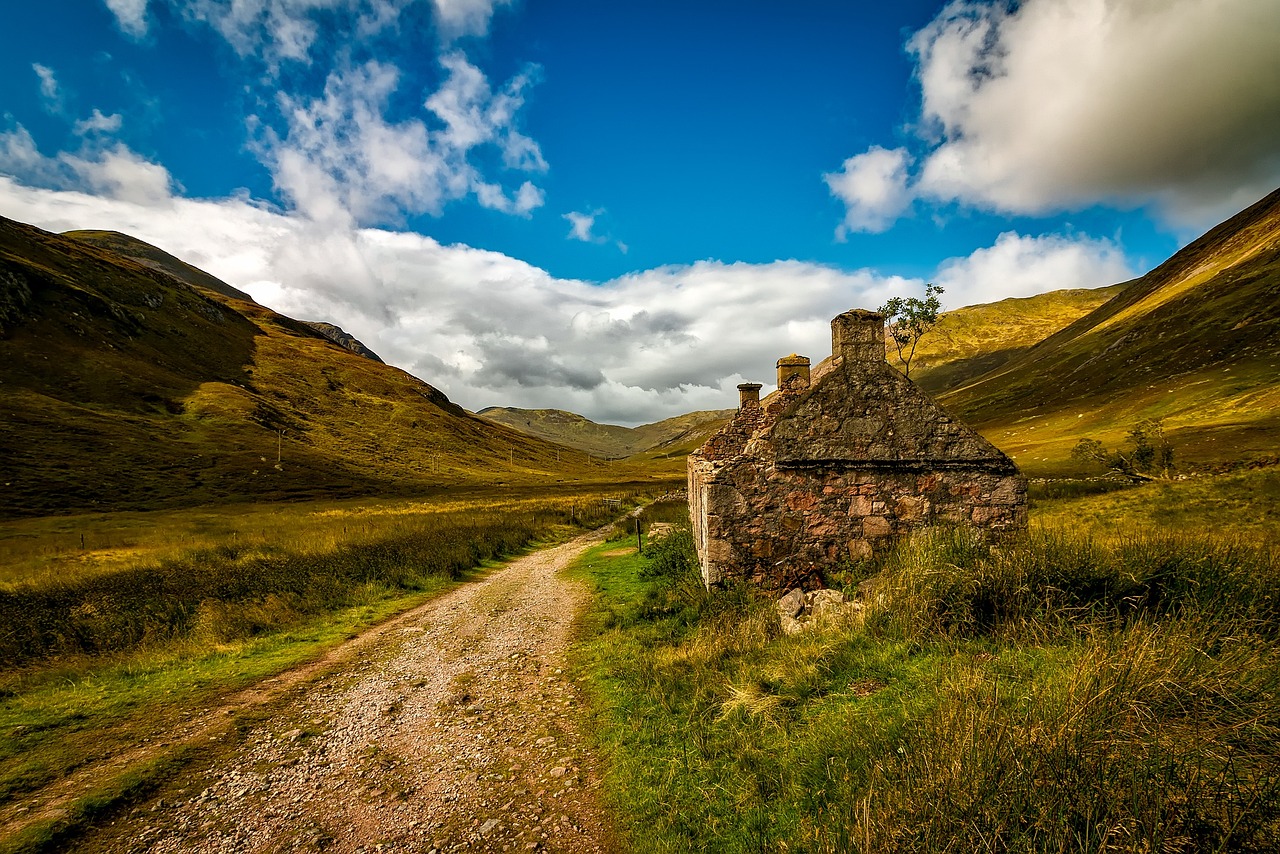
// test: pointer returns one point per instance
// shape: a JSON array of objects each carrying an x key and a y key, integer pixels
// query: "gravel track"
[{"x": 452, "y": 727}]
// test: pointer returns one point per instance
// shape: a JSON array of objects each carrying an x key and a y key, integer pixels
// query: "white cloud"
[
  {"x": 1021, "y": 265},
  {"x": 580, "y": 225},
  {"x": 458, "y": 18},
  {"x": 1050, "y": 105},
  {"x": 351, "y": 153},
  {"x": 489, "y": 329},
  {"x": 49, "y": 90},
  {"x": 341, "y": 157},
  {"x": 116, "y": 171},
  {"x": 120, "y": 173},
  {"x": 473, "y": 114},
  {"x": 873, "y": 187},
  {"x": 98, "y": 123},
  {"x": 281, "y": 32},
  {"x": 274, "y": 31},
  {"x": 131, "y": 15}
]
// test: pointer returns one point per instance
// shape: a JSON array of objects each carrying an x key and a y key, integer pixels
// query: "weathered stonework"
[{"x": 837, "y": 465}]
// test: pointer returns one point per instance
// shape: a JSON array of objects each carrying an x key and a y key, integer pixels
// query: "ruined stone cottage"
[{"x": 836, "y": 464}]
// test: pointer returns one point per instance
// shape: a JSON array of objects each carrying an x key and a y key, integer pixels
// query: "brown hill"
[
  {"x": 971, "y": 341},
  {"x": 1195, "y": 342},
  {"x": 121, "y": 387},
  {"x": 157, "y": 259}
]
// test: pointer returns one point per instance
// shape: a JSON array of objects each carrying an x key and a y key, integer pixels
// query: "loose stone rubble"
[
  {"x": 835, "y": 465},
  {"x": 799, "y": 611}
]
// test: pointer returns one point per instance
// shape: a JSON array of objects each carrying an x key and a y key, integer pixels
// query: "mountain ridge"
[
  {"x": 610, "y": 441},
  {"x": 145, "y": 392}
]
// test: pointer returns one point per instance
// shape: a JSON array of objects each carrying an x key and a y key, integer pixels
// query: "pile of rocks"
[{"x": 800, "y": 611}]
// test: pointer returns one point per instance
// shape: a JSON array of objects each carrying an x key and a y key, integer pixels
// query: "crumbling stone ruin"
[{"x": 835, "y": 465}]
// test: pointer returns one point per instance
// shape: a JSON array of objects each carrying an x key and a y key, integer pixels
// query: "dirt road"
[{"x": 450, "y": 728}]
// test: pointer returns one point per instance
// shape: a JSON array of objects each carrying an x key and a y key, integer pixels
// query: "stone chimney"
[
  {"x": 749, "y": 395},
  {"x": 858, "y": 336},
  {"x": 793, "y": 373}
]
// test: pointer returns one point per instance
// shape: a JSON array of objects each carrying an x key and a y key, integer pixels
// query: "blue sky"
[{"x": 624, "y": 209}]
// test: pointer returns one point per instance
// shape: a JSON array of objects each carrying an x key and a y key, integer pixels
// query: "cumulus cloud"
[
  {"x": 1050, "y": 105},
  {"x": 49, "y": 90},
  {"x": 582, "y": 228},
  {"x": 873, "y": 187},
  {"x": 489, "y": 329},
  {"x": 465, "y": 17},
  {"x": 283, "y": 32},
  {"x": 352, "y": 152},
  {"x": 340, "y": 156},
  {"x": 1021, "y": 265},
  {"x": 279, "y": 31},
  {"x": 131, "y": 16},
  {"x": 115, "y": 170},
  {"x": 580, "y": 225},
  {"x": 98, "y": 123}
]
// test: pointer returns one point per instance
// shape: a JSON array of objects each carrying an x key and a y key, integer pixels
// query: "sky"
[{"x": 621, "y": 208}]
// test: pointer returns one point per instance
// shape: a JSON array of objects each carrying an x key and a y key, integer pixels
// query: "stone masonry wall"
[
  {"x": 839, "y": 469},
  {"x": 778, "y": 527}
]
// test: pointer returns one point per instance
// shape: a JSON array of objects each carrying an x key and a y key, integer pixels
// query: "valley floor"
[{"x": 452, "y": 726}]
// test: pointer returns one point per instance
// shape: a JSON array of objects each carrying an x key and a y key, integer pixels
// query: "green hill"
[
  {"x": 671, "y": 437},
  {"x": 1195, "y": 342},
  {"x": 971, "y": 341},
  {"x": 121, "y": 387}
]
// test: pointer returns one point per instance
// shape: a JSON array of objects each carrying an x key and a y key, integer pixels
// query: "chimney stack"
[
  {"x": 858, "y": 336},
  {"x": 793, "y": 373},
  {"x": 749, "y": 395}
]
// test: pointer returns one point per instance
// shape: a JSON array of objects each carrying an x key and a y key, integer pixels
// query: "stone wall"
[{"x": 839, "y": 469}]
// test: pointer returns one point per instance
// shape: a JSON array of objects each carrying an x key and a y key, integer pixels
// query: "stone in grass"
[
  {"x": 799, "y": 611},
  {"x": 791, "y": 604}
]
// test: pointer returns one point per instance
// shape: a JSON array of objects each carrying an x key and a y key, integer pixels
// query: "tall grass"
[
  {"x": 1054, "y": 693},
  {"x": 245, "y": 587}
]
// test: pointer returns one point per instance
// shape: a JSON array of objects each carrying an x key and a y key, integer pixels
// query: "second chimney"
[
  {"x": 749, "y": 395},
  {"x": 793, "y": 373}
]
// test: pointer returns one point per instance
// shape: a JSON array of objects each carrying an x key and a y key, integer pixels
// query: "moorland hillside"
[
  {"x": 1194, "y": 343},
  {"x": 123, "y": 386}
]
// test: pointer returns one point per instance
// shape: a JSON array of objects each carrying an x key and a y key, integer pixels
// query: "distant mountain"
[
  {"x": 342, "y": 338},
  {"x": 669, "y": 437},
  {"x": 121, "y": 387},
  {"x": 1195, "y": 342},
  {"x": 157, "y": 259}
]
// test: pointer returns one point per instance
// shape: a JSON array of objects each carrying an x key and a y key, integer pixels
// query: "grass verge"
[{"x": 1059, "y": 693}]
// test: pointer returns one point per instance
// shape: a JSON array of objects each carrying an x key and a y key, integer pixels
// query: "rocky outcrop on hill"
[{"x": 342, "y": 338}]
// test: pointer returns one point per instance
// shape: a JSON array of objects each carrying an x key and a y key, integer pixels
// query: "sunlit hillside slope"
[
  {"x": 1195, "y": 342},
  {"x": 121, "y": 387}
]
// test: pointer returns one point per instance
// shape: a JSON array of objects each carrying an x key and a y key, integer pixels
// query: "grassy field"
[
  {"x": 161, "y": 614},
  {"x": 1109, "y": 682}
]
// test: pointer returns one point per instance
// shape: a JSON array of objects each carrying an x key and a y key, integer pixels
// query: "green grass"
[{"x": 1066, "y": 691}]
